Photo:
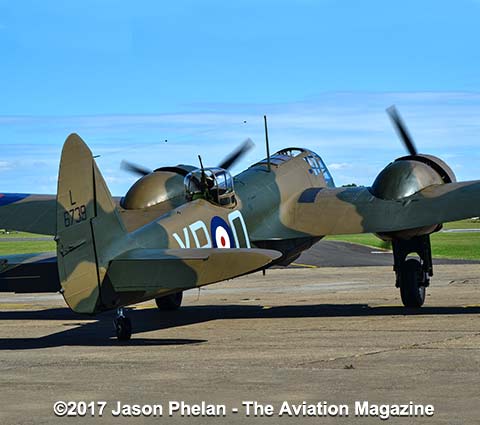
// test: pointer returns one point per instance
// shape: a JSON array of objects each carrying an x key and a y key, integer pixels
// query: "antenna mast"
[{"x": 266, "y": 142}]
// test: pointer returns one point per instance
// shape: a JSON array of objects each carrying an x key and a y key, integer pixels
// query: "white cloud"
[
  {"x": 349, "y": 130},
  {"x": 6, "y": 165},
  {"x": 338, "y": 166}
]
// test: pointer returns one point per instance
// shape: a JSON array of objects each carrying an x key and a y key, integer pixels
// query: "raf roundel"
[{"x": 222, "y": 235}]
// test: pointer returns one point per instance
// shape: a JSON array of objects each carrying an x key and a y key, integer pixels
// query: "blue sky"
[{"x": 128, "y": 75}]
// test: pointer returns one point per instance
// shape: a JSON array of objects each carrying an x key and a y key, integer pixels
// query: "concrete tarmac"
[
  {"x": 315, "y": 334},
  {"x": 345, "y": 254}
]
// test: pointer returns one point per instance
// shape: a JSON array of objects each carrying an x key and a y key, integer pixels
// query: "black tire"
[
  {"x": 412, "y": 289},
  {"x": 123, "y": 328},
  {"x": 170, "y": 302}
]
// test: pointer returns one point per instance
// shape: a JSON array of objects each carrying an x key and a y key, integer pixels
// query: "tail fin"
[{"x": 88, "y": 227}]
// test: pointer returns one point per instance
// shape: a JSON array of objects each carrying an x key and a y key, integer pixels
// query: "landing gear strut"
[
  {"x": 123, "y": 325},
  {"x": 170, "y": 302},
  {"x": 412, "y": 275}
]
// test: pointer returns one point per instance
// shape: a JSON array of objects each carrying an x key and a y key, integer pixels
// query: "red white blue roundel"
[{"x": 222, "y": 236}]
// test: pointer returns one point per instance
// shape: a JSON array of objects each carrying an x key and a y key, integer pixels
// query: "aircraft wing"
[
  {"x": 325, "y": 211},
  {"x": 139, "y": 269},
  {"x": 153, "y": 269},
  {"x": 28, "y": 273},
  {"x": 28, "y": 213},
  {"x": 37, "y": 213}
]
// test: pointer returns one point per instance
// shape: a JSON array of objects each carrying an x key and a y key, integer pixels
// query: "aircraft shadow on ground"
[{"x": 100, "y": 332}]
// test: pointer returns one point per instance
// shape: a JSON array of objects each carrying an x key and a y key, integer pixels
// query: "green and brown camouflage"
[
  {"x": 102, "y": 266},
  {"x": 115, "y": 252}
]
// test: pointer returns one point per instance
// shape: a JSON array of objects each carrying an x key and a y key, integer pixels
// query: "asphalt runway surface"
[
  {"x": 344, "y": 254},
  {"x": 308, "y": 334},
  {"x": 33, "y": 239}
]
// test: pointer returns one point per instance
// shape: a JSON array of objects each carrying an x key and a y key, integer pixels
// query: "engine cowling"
[
  {"x": 406, "y": 176},
  {"x": 163, "y": 185}
]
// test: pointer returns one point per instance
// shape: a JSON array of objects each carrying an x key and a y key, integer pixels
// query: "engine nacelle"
[
  {"x": 407, "y": 176},
  {"x": 163, "y": 185},
  {"x": 410, "y": 174}
]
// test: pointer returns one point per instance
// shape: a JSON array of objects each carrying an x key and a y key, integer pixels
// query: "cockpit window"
[
  {"x": 213, "y": 184},
  {"x": 282, "y": 156},
  {"x": 317, "y": 167},
  {"x": 293, "y": 152}
]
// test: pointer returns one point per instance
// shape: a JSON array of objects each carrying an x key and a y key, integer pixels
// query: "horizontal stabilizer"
[{"x": 154, "y": 269}]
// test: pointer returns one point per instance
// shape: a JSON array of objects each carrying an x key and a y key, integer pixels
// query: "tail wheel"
[
  {"x": 412, "y": 284},
  {"x": 170, "y": 302},
  {"x": 123, "y": 328}
]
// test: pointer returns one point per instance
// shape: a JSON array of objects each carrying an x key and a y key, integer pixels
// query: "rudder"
[{"x": 87, "y": 224}]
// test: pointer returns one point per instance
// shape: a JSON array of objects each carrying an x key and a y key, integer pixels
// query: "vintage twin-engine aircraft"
[{"x": 183, "y": 227}]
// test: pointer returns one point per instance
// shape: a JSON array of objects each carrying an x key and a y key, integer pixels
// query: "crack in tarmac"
[{"x": 414, "y": 346}]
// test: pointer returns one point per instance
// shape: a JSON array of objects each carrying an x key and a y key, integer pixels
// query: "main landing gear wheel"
[
  {"x": 170, "y": 302},
  {"x": 412, "y": 275},
  {"x": 412, "y": 283},
  {"x": 123, "y": 326}
]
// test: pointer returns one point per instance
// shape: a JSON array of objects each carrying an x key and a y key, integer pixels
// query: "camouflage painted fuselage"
[
  {"x": 264, "y": 201},
  {"x": 113, "y": 252}
]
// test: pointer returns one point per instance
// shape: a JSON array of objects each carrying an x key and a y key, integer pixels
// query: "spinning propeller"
[
  {"x": 402, "y": 130},
  {"x": 134, "y": 168},
  {"x": 227, "y": 163}
]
